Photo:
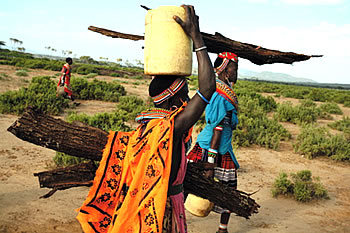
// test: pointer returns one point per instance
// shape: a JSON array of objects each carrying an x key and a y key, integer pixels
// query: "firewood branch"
[
  {"x": 88, "y": 142},
  {"x": 218, "y": 43}
]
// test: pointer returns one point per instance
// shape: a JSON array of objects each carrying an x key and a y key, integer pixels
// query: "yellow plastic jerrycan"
[
  {"x": 198, "y": 206},
  {"x": 168, "y": 50}
]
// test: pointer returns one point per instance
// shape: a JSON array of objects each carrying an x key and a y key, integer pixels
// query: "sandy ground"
[{"x": 21, "y": 210}]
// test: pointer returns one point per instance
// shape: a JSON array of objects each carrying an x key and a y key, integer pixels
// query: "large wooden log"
[
  {"x": 74, "y": 139},
  {"x": 195, "y": 182},
  {"x": 218, "y": 43},
  {"x": 64, "y": 178},
  {"x": 88, "y": 142}
]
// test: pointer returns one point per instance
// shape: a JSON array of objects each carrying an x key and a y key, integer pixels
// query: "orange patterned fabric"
[{"x": 129, "y": 192}]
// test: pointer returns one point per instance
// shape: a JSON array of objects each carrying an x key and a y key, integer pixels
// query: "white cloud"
[{"x": 313, "y": 2}]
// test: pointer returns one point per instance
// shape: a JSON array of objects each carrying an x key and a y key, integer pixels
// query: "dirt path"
[{"x": 21, "y": 210}]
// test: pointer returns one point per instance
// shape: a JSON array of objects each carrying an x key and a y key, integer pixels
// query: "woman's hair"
[
  {"x": 69, "y": 59},
  {"x": 218, "y": 62}
]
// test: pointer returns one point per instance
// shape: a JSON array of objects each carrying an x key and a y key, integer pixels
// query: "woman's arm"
[{"x": 206, "y": 76}]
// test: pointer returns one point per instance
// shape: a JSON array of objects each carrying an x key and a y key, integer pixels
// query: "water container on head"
[{"x": 168, "y": 50}]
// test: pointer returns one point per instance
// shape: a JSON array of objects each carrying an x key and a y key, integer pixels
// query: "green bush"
[
  {"x": 302, "y": 187},
  {"x": 138, "y": 77},
  {"x": 4, "y": 76},
  {"x": 341, "y": 125},
  {"x": 332, "y": 108},
  {"x": 63, "y": 160},
  {"x": 298, "y": 114},
  {"x": 21, "y": 73},
  {"x": 307, "y": 103},
  {"x": 316, "y": 141},
  {"x": 85, "y": 69},
  {"x": 97, "y": 90},
  {"x": 254, "y": 127},
  {"x": 282, "y": 185},
  {"x": 297, "y": 91},
  {"x": 40, "y": 94},
  {"x": 132, "y": 105},
  {"x": 347, "y": 104},
  {"x": 115, "y": 75},
  {"x": 267, "y": 103},
  {"x": 91, "y": 75},
  {"x": 106, "y": 121},
  {"x": 193, "y": 82}
]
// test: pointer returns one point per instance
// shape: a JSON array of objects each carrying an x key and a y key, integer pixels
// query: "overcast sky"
[{"x": 301, "y": 26}]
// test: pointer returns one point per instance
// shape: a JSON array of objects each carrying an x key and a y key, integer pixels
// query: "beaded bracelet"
[
  {"x": 202, "y": 97},
  {"x": 201, "y": 48},
  {"x": 219, "y": 128},
  {"x": 212, "y": 155},
  {"x": 212, "y": 150}
]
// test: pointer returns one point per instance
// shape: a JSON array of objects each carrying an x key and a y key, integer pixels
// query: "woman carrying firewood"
[
  {"x": 138, "y": 186},
  {"x": 214, "y": 142}
]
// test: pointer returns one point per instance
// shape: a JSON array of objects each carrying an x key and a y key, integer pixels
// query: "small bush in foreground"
[
  {"x": 132, "y": 105},
  {"x": 91, "y": 75},
  {"x": 332, "y": 108},
  {"x": 302, "y": 113},
  {"x": 63, "y": 160},
  {"x": 316, "y": 141},
  {"x": 21, "y": 73},
  {"x": 347, "y": 104},
  {"x": 97, "y": 90},
  {"x": 301, "y": 187},
  {"x": 255, "y": 127},
  {"x": 341, "y": 125},
  {"x": 4, "y": 76},
  {"x": 40, "y": 94}
]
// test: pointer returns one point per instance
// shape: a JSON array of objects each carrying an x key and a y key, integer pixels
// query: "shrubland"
[
  {"x": 302, "y": 186},
  {"x": 41, "y": 94},
  {"x": 314, "y": 141}
]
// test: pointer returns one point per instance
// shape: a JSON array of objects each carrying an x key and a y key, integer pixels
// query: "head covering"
[
  {"x": 227, "y": 57},
  {"x": 170, "y": 91}
]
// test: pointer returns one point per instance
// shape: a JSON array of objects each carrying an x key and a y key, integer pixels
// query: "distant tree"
[
  {"x": 48, "y": 48},
  {"x": 2, "y": 43},
  {"x": 87, "y": 59},
  {"x": 139, "y": 62},
  {"x": 128, "y": 64},
  {"x": 14, "y": 41},
  {"x": 21, "y": 49},
  {"x": 104, "y": 59},
  {"x": 68, "y": 52}
]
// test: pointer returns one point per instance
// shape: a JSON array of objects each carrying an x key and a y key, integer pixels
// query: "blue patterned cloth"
[{"x": 215, "y": 112}]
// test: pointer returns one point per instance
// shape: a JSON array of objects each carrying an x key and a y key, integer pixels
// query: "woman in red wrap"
[{"x": 63, "y": 86}]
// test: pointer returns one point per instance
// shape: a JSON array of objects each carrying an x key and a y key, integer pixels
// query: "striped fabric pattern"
[
  {"x": 227, "y": 92},
  {"x": 227, "y": 56},
  {"x": 153, "y": 113},
  {"x": 169, "y": 92}
]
